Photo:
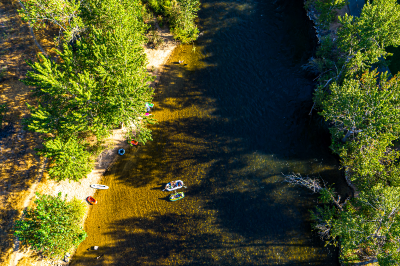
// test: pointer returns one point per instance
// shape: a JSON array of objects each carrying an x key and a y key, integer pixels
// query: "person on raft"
[
  {"x": 148, "y": 106},
  {"x": 177, "y": 195}
]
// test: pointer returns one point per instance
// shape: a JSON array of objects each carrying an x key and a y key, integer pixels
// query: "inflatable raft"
[
  {"x": 91, "y": 200},
  {"x": 176, "y": 196},
  {"x": 173, "y": 185}
]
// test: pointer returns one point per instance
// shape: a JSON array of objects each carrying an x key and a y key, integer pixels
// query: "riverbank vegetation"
[
  {"x": 181, "y": 16},
  {"x": 53, "y": 226},
  {"x": 361, "y": 105},
  {"x": 99, "y": 79},
  {"x": 91, "y": 80}
]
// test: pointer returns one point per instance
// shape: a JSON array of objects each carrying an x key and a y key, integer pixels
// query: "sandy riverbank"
[{"x": 156, "y": 60}]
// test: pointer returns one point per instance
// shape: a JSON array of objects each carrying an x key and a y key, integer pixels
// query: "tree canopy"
[
  {"x": 65, "y": 14},
  {"x": 99, "y": 82},
  {"x": 365, "y": 38},
  {"x": 368, "y": 104},
  {"x": 370, "y": 222},
  {"x": 361, "y": 107},
  {"x": 53, "y": 226}
]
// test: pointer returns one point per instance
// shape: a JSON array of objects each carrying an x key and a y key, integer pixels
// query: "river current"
[{"x": 231, "y": 119}]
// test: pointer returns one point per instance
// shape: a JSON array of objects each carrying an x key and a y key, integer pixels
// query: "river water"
[{"x": 232, "y": 119}]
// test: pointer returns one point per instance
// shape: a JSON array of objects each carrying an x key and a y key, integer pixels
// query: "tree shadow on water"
[{"x": 180, "y": 240}]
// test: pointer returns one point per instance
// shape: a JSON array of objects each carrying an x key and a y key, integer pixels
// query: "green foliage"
[
  {"x": 143, "y": 135},
  {"x": 363, "y": 109},
  {"x": 323, "y": 219},
  {"x": 372, "y": 223},
  {"x": 125, "y": 16},
  {"x": 160, "y": 20},
  {"x": 327, "y": 48},
  {"x": 181, "y": 14},
  {"x": 365, "y": 38},
  {"x": 363, "y": 105},
  {"x": 158, "y": 6},
  {"x": 369, "y": 224},
  {"x": 68, "y": 159},
  {"x": 326, "y": 61},
  {"x": 53, "y": 227},
  {"x": 371, "y": 160},
  {"x": 326, "y": 10},
  {"x": 99, "y": 83},
  {"x": 64, "y": 14}
]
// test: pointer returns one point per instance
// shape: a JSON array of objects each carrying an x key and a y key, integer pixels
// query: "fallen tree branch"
[
  {"x": 314, "y": 185},
  {"x": 310, "y": 183}
]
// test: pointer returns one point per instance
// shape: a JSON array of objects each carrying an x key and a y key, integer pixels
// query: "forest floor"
[{"x": 22, "y": 170}]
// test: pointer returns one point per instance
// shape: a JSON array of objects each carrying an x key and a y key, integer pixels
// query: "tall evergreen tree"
[{"x": 100, "y": 81}]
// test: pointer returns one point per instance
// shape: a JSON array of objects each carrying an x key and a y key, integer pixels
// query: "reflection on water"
[{"x": 230, "y": 122}]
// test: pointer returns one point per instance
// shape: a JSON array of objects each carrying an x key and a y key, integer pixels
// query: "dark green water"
[{"x": 230, "y": 122}]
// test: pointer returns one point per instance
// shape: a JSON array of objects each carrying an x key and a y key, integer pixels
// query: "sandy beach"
[{"x": 156, "y": 60}]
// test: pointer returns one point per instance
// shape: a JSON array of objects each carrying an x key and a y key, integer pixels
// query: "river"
[{"x": 231, "y": 119}]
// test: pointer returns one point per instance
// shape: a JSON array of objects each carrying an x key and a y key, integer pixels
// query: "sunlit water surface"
[{"x": 232, "y": 119}]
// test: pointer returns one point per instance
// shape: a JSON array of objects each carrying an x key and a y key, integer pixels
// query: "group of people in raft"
[{"x": 173, "y": 185}]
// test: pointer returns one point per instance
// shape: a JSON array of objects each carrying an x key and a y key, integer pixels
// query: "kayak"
[
  {"x": 91, "y": 200},
  {"x": 176, "y": 196},
  {"x": 173, "y": 185},
  {"x": 97, "y": 186}
]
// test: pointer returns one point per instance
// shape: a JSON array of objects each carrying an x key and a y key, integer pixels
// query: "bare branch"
[
  {"x": 310, "y": 183},
  {"x": 314, "y": 185}
]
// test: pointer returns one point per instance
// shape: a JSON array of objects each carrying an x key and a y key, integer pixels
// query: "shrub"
[
  {"x": 181, "y": 15},
  {"x": 68, "y": 159},
  {"x": 326, "y": 10},
  {"x": 53, "y": 226}
]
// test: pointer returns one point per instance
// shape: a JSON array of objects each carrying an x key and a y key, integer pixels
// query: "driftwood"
[{"x": 315, "y": 186}]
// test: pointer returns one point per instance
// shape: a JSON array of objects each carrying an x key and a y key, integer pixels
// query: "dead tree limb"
[
  {"x": 310, "y": 183},
  {"x": 315, "y": 186}
]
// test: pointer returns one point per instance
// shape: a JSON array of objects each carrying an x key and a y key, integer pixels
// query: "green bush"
[
  {"x": 181, "y": 15},
  {"x": 68, "y": 159},
  {"x": 53, "y": 226},
  {"x": 326, "y": 10},
  {"x": 157, "y": 6}
]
